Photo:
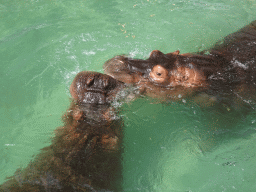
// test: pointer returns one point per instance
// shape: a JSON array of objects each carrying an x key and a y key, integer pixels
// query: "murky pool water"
[{"x": 176, "y": 146}]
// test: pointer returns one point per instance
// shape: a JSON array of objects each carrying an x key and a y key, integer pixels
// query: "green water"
[{"x": 168, "y": 147}]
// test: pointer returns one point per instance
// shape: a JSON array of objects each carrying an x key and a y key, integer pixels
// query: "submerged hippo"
[
  {"x": 85, "y": 154},
  {"x": 226, "y": 69}
]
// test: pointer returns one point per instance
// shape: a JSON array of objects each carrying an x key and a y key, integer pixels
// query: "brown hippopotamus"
[
  {"x": 226, "y": 69},
  {"x": 85, "y": 154}
]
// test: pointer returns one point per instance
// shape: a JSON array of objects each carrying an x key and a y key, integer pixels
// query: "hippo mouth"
[
  {"x": 94, "y": 96},
  {"x": 94, "y": 88}
]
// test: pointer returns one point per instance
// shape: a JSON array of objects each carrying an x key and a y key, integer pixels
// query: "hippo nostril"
[
  {"x": 105, "y": 83},
  {"x": 89, "y": 81},
  {"x": 158, "y": 74}
]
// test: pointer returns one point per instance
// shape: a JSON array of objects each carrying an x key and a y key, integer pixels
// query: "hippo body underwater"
[{"x": 85, "y": 154}]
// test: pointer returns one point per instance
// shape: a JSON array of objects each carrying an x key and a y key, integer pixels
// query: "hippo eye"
[{"x": 159, "y": 74}]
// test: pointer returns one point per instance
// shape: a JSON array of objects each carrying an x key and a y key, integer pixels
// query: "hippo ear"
[{"x": 177, "y": 52}]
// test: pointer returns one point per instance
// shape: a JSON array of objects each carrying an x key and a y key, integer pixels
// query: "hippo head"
[
  {"x": 160, "y": 75},
  {"x": 93, "y": 93},
  {"x": 94, "y": 88}
]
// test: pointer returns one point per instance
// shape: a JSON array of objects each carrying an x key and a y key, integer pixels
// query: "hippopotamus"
[
  {"x": 226, "y": 69},
  {"x": 85, "y": 153}
]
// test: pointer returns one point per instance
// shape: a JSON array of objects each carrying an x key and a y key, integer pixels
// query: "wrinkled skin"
[
  {"x": 85, "y": 154},
  {"x": 229, "y": 65}
]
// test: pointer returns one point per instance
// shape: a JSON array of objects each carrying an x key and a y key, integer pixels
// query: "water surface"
[{"x": 168, "y": 147}]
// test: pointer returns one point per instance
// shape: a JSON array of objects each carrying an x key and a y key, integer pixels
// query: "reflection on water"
[
  {"x": 168, "y": 147},
  {"x": 184, "y": 147}
]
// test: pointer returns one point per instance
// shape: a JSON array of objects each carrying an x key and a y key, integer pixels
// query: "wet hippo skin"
[
  {"x": 85, "y": 154},
  {"x": 227, "y": 67}
]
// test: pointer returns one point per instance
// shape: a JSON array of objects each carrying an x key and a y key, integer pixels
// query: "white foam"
[{"x": 88, "y": 52}]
